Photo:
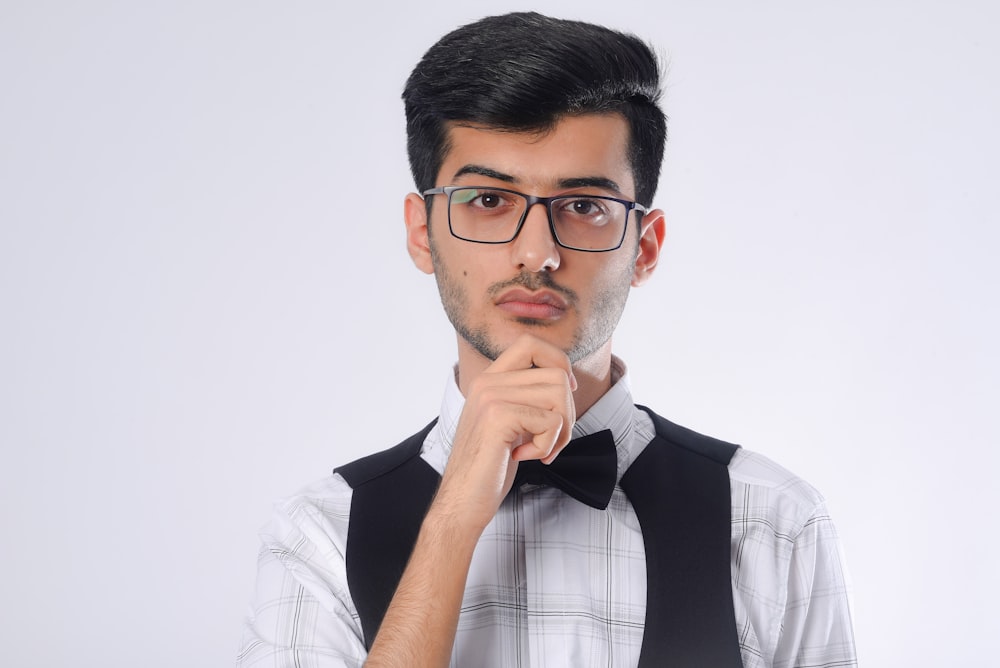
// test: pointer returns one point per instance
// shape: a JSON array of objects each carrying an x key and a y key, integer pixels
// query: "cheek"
[
  {"x": 455, "y": 257},
  {"x": 476, "y": 271},
  {"x": 457, "y": 274},
  {"x": 611, "y": 290}
]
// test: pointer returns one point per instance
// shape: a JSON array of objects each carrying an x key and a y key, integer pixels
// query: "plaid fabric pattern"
[{"x": 554, "y": 582}]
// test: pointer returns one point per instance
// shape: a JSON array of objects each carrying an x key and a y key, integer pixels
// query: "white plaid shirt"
[{"x": 554, "y": 582}]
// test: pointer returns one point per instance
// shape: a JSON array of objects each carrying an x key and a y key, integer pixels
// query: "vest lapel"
[
  {"x": 679, "y": 488},
  {"x": 392, "y": 491}
]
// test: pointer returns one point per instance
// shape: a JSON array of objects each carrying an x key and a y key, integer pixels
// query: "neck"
[{"x": 593, "y": 373}]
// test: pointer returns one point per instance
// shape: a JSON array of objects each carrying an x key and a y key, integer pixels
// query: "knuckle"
[
  {"x": 492, "y": 410},
  {"x": 483, "y": 393}
]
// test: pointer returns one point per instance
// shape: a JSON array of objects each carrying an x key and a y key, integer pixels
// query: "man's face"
[{"x": 492, "y": 293}]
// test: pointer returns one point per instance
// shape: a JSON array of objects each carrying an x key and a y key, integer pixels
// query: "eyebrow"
[
  {"x": 574, "y": 182},
  {"x": 485, "y": 171},
  {"x": 590, "y": 182}
]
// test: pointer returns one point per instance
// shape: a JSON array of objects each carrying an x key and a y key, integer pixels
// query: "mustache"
[{"x": 533, "y": 282}]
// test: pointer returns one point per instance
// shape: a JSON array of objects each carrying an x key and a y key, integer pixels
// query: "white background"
[{"x": 206, "y": 301}]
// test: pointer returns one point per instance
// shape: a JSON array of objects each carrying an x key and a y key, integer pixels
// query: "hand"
[{"x": 519, "y": 408}]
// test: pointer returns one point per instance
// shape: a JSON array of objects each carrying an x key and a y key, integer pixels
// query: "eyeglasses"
[{"x": 591, "y": 223}]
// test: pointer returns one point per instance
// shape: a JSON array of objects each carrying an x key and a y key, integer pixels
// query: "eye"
[
  {"x": 481, "y": 200},
  {"x": 583, "y": 207},
  {"x": 591, "y": 209},
  {"x": 489, "y": 200}
]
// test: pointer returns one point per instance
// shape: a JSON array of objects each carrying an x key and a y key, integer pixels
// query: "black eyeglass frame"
[{"x": 532, "y": 201}]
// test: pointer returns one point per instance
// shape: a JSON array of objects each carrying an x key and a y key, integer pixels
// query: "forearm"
[
  {"x": 520, "y": 407},
  {"x": 418, "y": 629}
]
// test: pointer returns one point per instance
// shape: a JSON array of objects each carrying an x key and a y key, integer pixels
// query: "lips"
[{"x": 541, "y": 305}]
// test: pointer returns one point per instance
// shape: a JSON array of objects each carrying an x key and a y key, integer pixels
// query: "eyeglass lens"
[{"x": 585, "y": 222}]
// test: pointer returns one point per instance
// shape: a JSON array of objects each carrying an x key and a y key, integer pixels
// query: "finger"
[
  {"x": 541, "y": 448},
  {"x": 546, "y": 389},
  {"x": 510, "y": 381},
  {"x": 565, "y": 436},
  {"x": 542, "y": 432},
  {"x": 528, "y": 352},
  {"x": 556, "y": 451}
]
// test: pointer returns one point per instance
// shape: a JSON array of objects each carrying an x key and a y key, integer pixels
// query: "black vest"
[{"x": 679, "y": 488}]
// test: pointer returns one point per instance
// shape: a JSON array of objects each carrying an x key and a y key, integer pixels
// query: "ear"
[
  {"x": 651, "y": 234},
  {"x": 417, "y": 241}
]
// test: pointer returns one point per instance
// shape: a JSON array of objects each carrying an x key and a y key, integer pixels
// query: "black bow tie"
[{"x": 586, "y": 469}]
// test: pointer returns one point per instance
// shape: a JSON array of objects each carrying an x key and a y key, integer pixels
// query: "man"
[{"x": 536, "y": 147}]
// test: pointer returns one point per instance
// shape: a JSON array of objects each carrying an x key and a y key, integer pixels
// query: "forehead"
[{"x": 590, "y": 146}]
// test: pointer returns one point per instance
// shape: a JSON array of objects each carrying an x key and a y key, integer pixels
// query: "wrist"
[{"x": 450, "y": 523}]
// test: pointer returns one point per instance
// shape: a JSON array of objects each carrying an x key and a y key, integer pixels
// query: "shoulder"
[
  {"x": 749, "y": 471},
  {"x": 689, "y": 440},
  {"x": 755, "y": 471},
  {"x": 369, "y": 468},
  {"x": 769, "y": 499},
  {"x": 316, "y": 515},
  {"x": 761, "y": 489},
  {"x": 322, "y": 509}
]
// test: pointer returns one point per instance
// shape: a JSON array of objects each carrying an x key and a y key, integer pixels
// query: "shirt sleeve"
[
  {"x": 302, "y": 614},
  {"x": 817, "y": 629},
  {"x": 791, "y": 592}
]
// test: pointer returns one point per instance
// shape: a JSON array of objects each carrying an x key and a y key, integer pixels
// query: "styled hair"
[{"x": 523, "y": 72}]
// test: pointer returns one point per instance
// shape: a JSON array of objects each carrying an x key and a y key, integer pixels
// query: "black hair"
[{"x": 522, "y": 72}]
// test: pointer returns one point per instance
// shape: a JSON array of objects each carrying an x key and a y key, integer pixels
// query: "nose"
[{"x": 534, "y": 249}]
